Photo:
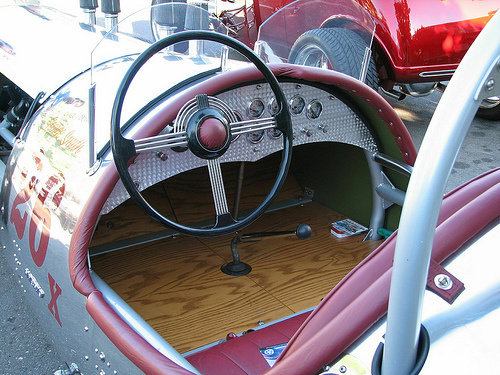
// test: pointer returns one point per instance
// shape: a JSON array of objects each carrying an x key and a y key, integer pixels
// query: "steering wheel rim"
[{"x": 124, "y": 149}]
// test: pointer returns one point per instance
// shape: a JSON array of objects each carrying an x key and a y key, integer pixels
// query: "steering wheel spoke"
[
  {"x": 255, "y": 125},
  {"x": 218, "y": 190},
  {"x": 178, "y": 139}
]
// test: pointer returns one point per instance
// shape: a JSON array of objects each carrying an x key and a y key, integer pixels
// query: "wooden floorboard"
[{"x": 176, "y": 284}]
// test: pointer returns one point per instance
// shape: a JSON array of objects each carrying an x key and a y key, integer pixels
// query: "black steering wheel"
[{"x": 207, "y": 134}]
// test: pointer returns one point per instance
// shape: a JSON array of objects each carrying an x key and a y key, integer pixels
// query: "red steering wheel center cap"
[{"x": 213, "y": 133}]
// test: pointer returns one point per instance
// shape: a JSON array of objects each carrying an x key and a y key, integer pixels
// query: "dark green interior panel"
[
  {"x": 327, "y": 169},
  {"x": 338, "y": 174}
]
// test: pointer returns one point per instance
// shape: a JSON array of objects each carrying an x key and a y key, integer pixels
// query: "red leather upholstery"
[{"x": 241, "y": 355}]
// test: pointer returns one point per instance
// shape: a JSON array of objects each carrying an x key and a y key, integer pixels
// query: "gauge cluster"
[
  {"x": 256, "y": 108},
  {"x": 317, "y": 116}
]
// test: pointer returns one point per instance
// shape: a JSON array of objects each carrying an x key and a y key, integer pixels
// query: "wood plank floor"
[{"x": 176, "y": 284}]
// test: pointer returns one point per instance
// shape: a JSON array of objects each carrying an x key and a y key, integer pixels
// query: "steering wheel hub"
[
  {"x": 208, "y": 133},
  {"x": 213, "y": 133}
]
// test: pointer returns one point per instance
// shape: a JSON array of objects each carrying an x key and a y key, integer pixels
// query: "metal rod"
[
  {"x": 392, "y": 163},
  {"x": 239, "y": 188},
  {"x": 445, "y": 134},
  {"x": 92, "y": 154}
]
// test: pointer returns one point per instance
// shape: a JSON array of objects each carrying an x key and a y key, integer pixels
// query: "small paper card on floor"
[
  {"x": 346, "y": 228},
  {"x": 271, "y": 353}
]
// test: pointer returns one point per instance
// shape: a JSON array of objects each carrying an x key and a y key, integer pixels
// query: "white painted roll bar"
[{"x": 477, "y": 78}]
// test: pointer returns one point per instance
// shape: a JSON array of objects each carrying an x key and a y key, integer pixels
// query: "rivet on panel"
[{"x": 443, "y": 282}]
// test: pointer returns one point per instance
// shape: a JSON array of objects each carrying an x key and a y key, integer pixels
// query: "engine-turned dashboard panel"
[{"x": 317, "y": 116}]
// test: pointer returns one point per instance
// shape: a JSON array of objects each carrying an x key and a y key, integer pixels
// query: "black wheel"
[
  {"x": 334, "y": 48},
  {"x": 490, "y": 109},
  {"x": 207, "y": 135}
]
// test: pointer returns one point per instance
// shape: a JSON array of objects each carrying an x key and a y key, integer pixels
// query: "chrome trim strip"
[{"x": 437, "y": 73}]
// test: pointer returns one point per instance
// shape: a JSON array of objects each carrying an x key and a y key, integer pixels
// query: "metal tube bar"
[
  {"x": 473, "y": 81},
  {"x": 391, "y": 194},
  {"x": 92, "y": 152},
  {"x": 378, "y": 212},
  {"x": 392, "y": 163}
]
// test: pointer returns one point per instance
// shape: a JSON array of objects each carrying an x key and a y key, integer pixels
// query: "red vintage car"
[{"x": 416, "y": 44}]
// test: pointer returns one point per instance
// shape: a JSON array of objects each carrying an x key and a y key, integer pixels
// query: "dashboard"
[{"x": 317, "y": 116}]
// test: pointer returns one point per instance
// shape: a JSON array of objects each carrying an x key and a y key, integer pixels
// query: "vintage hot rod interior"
[{"x": 174, "y": 205}]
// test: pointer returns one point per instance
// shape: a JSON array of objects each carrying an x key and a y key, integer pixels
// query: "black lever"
[{"x": 238, "y": 268}]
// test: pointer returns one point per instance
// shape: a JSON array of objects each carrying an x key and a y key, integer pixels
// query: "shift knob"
[{"x": 303, "y": 231}]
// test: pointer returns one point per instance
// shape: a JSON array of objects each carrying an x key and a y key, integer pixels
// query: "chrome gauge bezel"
[
  {"x": 271, "y": 107},
  {"x": 259, "y": 134},
  {"x": 309, "y": 110},
  {"x": 292, "y": 103},
  {"x": 255, "y": 101},
  {"x": 274, "y": 133}
]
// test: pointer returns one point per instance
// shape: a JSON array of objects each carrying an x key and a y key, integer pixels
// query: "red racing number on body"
[{"x": 40, "y": 220}]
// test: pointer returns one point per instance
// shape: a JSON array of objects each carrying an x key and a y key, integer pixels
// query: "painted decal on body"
[{"x": 40, "y": 214}]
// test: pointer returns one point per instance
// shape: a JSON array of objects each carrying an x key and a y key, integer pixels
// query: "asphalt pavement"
[{"x": 480, "y": 151}]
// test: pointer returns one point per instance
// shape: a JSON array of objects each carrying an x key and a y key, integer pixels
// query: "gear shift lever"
[{"x": 238, "y": 268}]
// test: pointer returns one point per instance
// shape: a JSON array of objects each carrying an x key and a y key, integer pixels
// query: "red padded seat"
[{"x": 241, "y": 355}]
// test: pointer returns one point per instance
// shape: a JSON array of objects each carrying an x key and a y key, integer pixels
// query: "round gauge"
[
  {"x": 274, "y": 133},
  {"x": 255, "y": 108},
  {"x": 273, "y": 107},
  {"x": 255, "y": 137},
  {"x": 314, "y": 109},
  {"x": 297, "y": 104}
]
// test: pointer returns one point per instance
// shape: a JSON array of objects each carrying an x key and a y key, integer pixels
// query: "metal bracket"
[
  {"x": 95, "y": 167},
  {"x": 389, "y": 193},
  {"x": 490, "y": 86}
]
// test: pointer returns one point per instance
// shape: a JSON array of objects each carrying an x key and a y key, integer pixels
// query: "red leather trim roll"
[
  {"x": 134, "y": 347},
  {"x": 84, "y": 228}
]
